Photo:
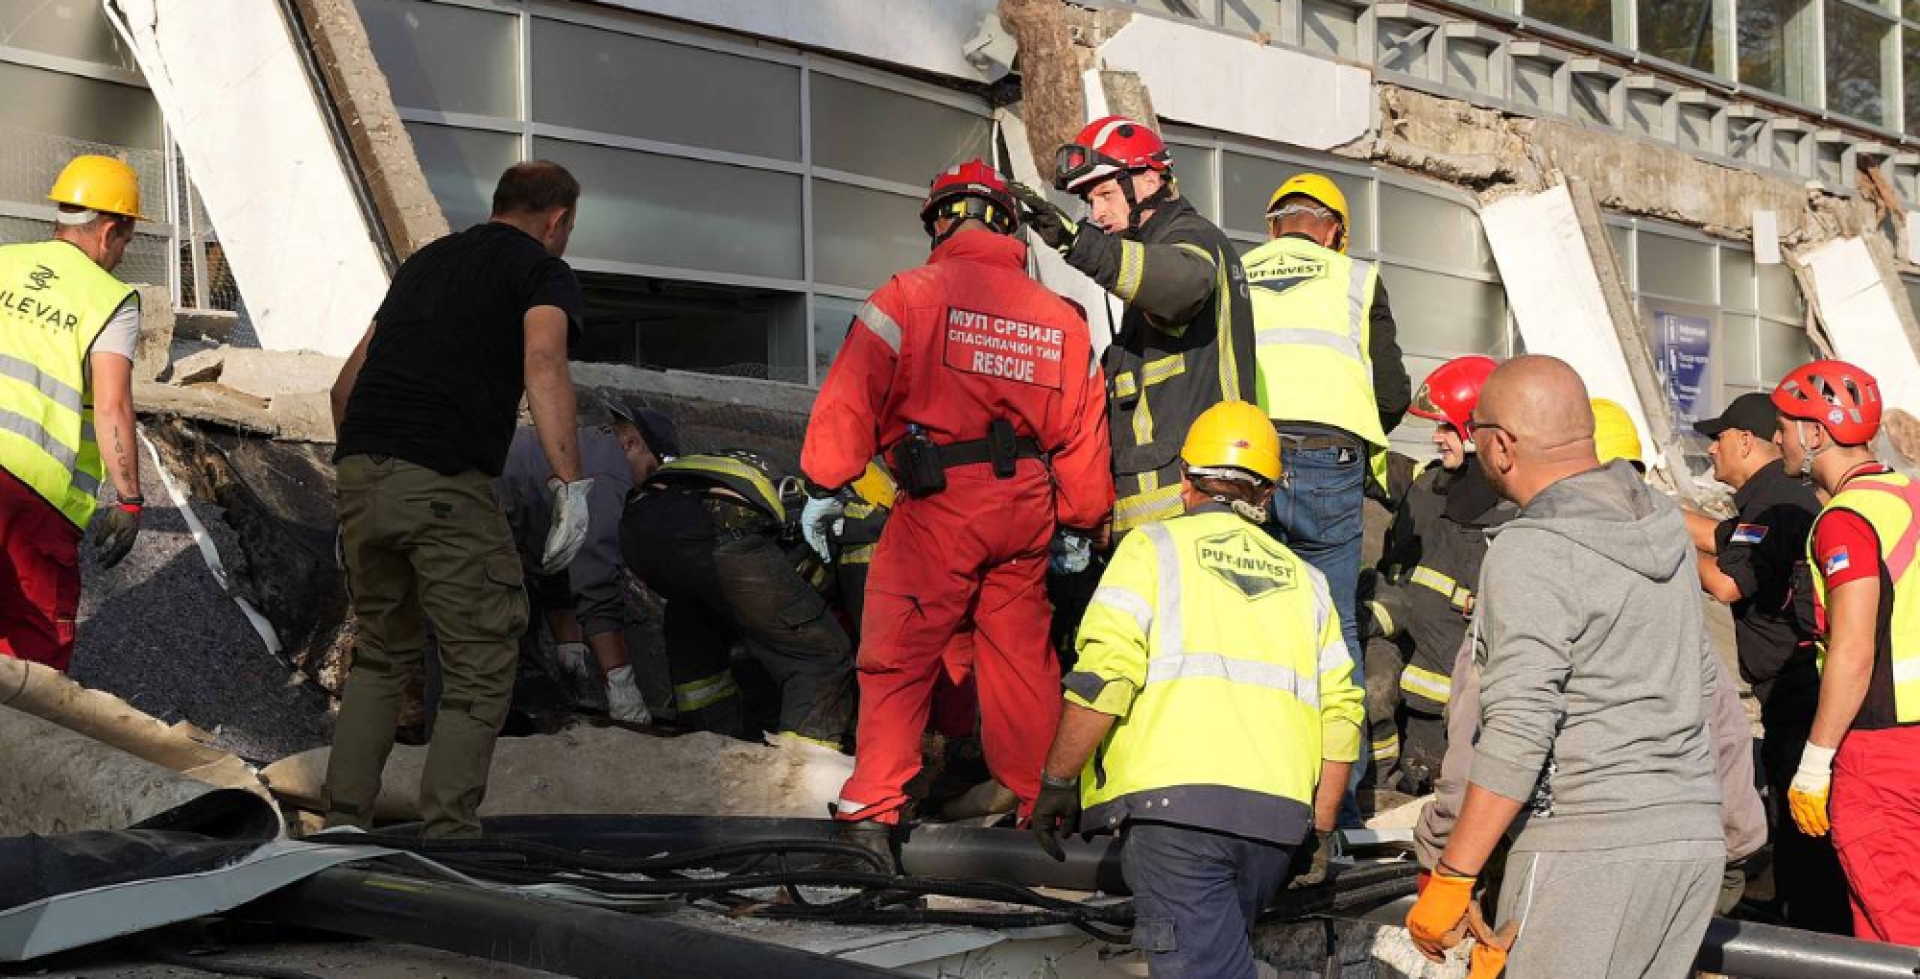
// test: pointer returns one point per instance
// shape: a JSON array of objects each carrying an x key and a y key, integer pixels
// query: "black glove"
[
  {"x": 1054, "y": 226},
  {"x": 1057, "y": 811},
  {"x": 114, "y": 530},
  {"x": 1312, "y": 861}
]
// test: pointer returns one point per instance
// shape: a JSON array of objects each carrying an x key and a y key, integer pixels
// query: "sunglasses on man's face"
[{"x": 1475, "y": 427}]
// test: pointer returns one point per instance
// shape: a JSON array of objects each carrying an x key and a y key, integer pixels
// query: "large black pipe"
[
  {"x": 941, "y": 850},
  {"x": 1746, "y": 950},
  {"x": 538, "y": 933}
]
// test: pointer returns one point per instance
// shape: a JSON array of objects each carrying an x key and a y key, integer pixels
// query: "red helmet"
[
  {"x": 1108, "y": 146},
  {"x": 971, "y": 190},
  {"x": 1451, "y": 391},
  {"x": 1834, "y": 393}
]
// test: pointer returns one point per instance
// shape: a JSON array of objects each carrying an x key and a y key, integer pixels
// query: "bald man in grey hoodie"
[{"x": 1597, "y": 683}]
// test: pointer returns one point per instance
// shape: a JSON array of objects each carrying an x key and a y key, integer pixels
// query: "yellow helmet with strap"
[
  {"x": 1234, "y": 435},
  {"x": 1318, "y": 188}
]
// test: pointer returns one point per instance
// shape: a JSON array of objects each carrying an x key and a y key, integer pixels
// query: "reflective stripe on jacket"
[
  {"x": 1312, "y": 316},
  {"x": 1221, "y": 654},
  {"x": 750, "y": 482},
  {"x": 1889, "y": 502},
  {"x": 54, "y": 302}
]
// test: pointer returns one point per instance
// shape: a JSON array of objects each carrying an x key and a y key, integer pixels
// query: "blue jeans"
[
  {"x": 1196, "y": 895},
  {"x": 1317, "y": 513}
]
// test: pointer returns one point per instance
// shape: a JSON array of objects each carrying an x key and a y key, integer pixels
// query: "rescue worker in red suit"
[{"x": 966, "y": 373}]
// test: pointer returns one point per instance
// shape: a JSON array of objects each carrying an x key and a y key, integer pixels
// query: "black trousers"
[{"x": 725, "y": 578}]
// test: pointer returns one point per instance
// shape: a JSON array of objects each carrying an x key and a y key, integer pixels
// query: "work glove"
[
  {"x": 1490, "y": 948},
  {"x": 570, "y": 520},
  {"x": 579, "y": 671},
  {"x": 815, "y": 520},
  {"x": 1807, "y": 796},
  {"x": 1070, "y": 552},
  {"x": 114, "y": 530},
  {"x": 1054, "y": 226},
  {"x": 1313, "y": 860},
  {"x": 624, "y": 702},
  {"x": 1435, "y": 921},
  {"x": 1057, "y": 811}
]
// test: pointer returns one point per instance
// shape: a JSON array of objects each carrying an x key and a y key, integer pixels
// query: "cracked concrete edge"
[{"x": 382, "y": 151}]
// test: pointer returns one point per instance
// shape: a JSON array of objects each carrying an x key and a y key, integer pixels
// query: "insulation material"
[
  {"x": 1051, "y": 103},
  {"x": 236, "y": 96},
  {"x": 1862, "y": 319},
  {"x": 1556, "y": 296},
  {"x": 1220, "y": 81},
  {"x": 924, "y": 34}
]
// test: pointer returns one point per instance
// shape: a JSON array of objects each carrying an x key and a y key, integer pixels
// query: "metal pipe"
[
  {"x": 538, "y": 933},
  {"x": 1746, "y": 950}
]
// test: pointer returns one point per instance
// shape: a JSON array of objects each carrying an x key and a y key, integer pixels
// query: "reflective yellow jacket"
[{"x": 1220, "y": 653}]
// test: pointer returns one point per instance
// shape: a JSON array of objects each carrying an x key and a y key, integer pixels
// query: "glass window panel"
[
  {"x": 1444, "y": 314},
  {"x": 1330, "y": 28},
  {"x": 1776, "y": 40},
  {"x": 1911, "y": 65},
  {"x": 1593, "y": 18},
  {"x": 1432, "y": 230},
  {"x": 1913, "y": 295},
  {"x": 462, "y": 167},
  {"x": 831, "y": 319},
  {"x": 1254, "y": 16},
  {"x": 1193, "y": 171},
  {"x": 921, "y": 138},
  {"x": 1912, "y": 9},
  {"x": 1675, "y": 268},
  {"x": 586, "y": 78},
  {"x": 1736, "y": 354},
  {"x": 78, "y": 108},
  {"x": 861, "y": 236},
  {"x": 1681, "y": 31},
  {"x": 1782, "y": 348},
  {"x": 659, "y": 210},
  {"x": 1856, "y": 68},
  {"x": 1779, "y": 293},
  {"x": 68, "y": 28},
  {"x": 1623, "y": 250},
  {"x": 1736, "y": 279},
  {"x": 445, "y": 58},
  {"x": 1249, "y": 182}
]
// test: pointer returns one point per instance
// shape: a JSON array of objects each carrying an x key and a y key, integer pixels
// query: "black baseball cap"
[
  {"x": 662, "y": 435},
  {"x": 1752, "y": 412}
]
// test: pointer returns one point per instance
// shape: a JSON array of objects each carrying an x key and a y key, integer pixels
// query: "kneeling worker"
[{"x": 1217, "y": 690}]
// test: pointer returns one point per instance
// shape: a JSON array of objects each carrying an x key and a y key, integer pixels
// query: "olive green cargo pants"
[{"x": 423, "y": 547}]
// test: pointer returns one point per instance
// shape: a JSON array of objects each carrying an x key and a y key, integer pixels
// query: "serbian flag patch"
[
  {"x": 1836, "y": 561},
  {"x": 1748, "y": 533}
]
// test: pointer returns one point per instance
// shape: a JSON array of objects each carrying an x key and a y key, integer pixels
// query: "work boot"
[
  {"x": 624, "y": 702},
  {"x": 867, "y": 834}
]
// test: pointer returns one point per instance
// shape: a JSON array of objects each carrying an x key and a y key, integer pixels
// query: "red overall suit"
[{"x": 951, "y": 346}]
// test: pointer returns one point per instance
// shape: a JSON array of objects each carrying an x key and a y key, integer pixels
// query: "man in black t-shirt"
[
  {"x": 1755, "y": 562},
  {"x": 425, "y": 409}
]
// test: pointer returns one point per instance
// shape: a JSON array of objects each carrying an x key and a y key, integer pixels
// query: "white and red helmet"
[{"x": 1106, "y": 148}]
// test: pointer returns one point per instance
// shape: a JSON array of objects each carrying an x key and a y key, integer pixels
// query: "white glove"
[
  {"x": 814, "y": 518},
  {"x": 624, "y": 702},
  {"x": 1072, "y": 552},
  {"x": 569, "y": 529}
]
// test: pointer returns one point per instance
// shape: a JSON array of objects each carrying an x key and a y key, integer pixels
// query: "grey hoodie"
[{"x": 1596, "y": 672}]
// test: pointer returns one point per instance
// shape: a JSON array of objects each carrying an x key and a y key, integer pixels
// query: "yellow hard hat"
[
  {"x": 1319, "y": 188},
  {"x": 1614, "y": 434},
  {"x": 876, "y": 486},
  {"x": 98, "y": 183},
  {"x": 1235, "y": 435}
]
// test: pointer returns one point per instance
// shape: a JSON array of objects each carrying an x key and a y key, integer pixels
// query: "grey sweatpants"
[{"x": 1635, "y": 912}]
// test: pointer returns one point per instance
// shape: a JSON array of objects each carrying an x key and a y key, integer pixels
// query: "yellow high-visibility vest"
[
  {"x": 54, "y": 303},
  {"x": 1889, "y": 502},
  {"x": 1221, "y": 653},
  {"x": 1312, "y": 329}
]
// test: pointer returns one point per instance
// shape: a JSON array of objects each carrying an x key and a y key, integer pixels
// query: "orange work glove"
[
  {"x": 1490, "y": 947},
  {"x": 1488, "y": 961},
  {"x": 1435, "y": 921},
  {"x": 1421, "y": 880}
]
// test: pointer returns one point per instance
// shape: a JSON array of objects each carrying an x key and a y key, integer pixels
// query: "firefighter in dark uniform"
[
  {"x": 1755, "y": 562},
  {"x": 1186, "y": 341},
  {"x": 705, "y": 534},
  {"x": 1429, "y": 568}
]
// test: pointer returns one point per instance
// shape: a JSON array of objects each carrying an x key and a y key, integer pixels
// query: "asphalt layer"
[{"x": 158, "y": 631}]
